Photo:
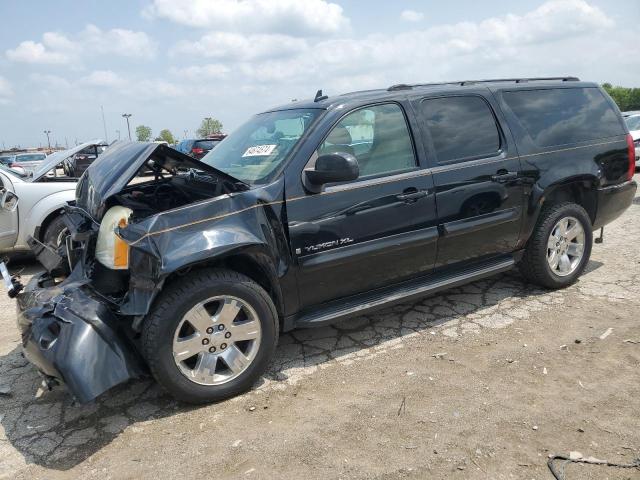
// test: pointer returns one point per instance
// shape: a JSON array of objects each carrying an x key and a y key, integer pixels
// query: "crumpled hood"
[{"x": 115, "y": 168}]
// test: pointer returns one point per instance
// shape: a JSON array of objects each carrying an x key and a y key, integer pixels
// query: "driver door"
[{"x": 8, "y": 220}]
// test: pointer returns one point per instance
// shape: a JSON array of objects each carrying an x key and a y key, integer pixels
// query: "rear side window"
[
  {"x": 564, "y": 115},
  {"x": 461, "y": 128}
]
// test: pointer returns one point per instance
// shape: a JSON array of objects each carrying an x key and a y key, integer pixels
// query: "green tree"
[
  {"x": 209, "y": 126},
  {"x": 143, "y": 133},
  {"x": 167, "y": 136},
  {"x": 626, "y": 98}
]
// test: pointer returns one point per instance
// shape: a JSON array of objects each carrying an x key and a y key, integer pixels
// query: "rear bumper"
[
  {"x": 74, "y": 338},
  {"x": 613, "y": 201}
]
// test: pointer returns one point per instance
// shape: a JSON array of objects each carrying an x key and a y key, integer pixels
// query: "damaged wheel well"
[{"x": 245, "y": 265}]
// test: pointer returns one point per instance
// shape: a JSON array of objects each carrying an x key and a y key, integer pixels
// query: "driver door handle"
[
  {"x": 411, "y": 196},
  {"x": 503, "y": 176}
]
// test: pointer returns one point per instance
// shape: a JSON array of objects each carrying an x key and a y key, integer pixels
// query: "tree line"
[
  {"x": 626, "y": 98},
  {"x": 208, "y": 126}
]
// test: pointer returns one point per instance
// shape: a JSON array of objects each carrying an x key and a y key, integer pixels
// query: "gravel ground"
[{"x": 482, "y": 381}]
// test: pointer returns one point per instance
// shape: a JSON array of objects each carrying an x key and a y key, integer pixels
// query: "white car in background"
[
  {"x": 633, "y": 124},
  {"x": 31, "y": 203}
]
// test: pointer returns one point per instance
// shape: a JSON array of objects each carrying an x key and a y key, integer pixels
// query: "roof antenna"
[{"x": 320, "y": 96}]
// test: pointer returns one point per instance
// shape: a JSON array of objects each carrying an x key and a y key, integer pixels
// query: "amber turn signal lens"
[{"x": 120, "y": 249}]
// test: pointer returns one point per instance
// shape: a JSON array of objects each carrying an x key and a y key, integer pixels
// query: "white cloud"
[
  {"x": 196, "y": 72},
  {"x": 411, "y": 16},
  {"x": 506, "y": 45},
  {"x": 58, "y": 48},
  {"x": 293, "y": 17},
  {"x": 117, "y": 41},
  {"x": 103, "y": 78},
  {"x": 223, "y": 45}
]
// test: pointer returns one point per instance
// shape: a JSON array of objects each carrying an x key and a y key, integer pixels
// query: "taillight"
[
  {"x": 197, "y": 151},
  {"x": 632, "y": 157}
]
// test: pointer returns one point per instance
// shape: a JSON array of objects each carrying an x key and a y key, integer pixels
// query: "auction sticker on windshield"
[{"x": 259, "y": 151}]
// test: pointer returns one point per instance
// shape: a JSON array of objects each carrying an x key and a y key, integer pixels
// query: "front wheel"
[
  {"x": 559, "y": 247},
  {"x": 55, "y": 233},
  {"x": 210, "y": 336}
]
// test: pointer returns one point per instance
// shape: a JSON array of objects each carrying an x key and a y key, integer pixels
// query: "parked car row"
[
  {"x": 37, "y": 201},
  {"x": 313, "y": 212},
  {"x": 23, "y": 162}
]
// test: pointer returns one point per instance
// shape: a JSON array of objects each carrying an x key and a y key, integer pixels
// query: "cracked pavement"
[{"x": 52, "y": 437}]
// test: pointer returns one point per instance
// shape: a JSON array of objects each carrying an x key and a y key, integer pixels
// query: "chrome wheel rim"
[
  {"x": 565, "y": 247},
  {"x": 217, "y": 340}
]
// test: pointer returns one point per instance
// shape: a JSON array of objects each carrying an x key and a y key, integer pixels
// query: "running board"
[{"x": 363, "y": 303}]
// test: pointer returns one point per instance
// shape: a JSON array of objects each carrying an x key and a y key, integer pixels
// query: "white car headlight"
[{"x": 111, "y": 250}]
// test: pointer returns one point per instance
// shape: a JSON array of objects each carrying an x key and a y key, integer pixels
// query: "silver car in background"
[{"x": 31, "y": 203}]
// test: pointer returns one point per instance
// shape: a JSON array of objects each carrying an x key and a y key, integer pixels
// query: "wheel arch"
[
  {"x": 252, "y": 261},
  {"x": 580, "y": 190}
]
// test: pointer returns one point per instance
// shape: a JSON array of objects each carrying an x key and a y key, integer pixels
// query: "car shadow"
[{"x": 54, "y": 432}]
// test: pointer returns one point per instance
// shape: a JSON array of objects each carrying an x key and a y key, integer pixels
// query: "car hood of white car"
[{"x": 56, "y": 158}]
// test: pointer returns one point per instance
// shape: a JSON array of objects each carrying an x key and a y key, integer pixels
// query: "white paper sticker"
[{"x": 259, "y": 151}]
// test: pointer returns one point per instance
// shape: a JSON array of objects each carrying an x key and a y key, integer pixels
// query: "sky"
[{"x": 170, "y": 63}]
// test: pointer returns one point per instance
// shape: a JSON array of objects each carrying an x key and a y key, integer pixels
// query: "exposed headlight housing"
[{"x": 111, "y": 250}]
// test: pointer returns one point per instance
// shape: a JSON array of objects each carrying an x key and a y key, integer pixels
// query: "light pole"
[
  {"x": 118, "y": 132},
  {"x": 47, "y": 132},
  {"x": 127, "y": 115}
]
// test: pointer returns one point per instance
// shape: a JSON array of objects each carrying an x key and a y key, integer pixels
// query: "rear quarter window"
[{"x": 563, "y": 116}]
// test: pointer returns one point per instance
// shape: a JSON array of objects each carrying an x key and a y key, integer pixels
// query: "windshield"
[
  {"x": 633, "y": 122},
  {"x": 255, "y": 150}
]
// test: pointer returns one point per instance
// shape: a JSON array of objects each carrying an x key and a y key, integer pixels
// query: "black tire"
[
  {"x": 534, "y": 265},
  {"x": 53, "y": 231},
  {"x": 174, "y": 302}
]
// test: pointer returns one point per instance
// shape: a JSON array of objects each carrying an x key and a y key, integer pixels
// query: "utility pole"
[
  {"x": 104, "y": 124},
  {"x": 127, "y": 115},
  {"x": 118, "y": 132},
  {"x": 185, "y": 134},
  {"x": 47, "y": 132}
]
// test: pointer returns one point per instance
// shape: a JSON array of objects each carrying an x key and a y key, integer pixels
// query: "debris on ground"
[
  {"x": 5, "y": 391},
  {"x": 576, "y": 457},
  {"x": 606, "y": 333},
  {"x": 439, "y": 356}
]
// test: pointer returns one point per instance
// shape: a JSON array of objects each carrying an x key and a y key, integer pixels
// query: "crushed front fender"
[{"x": 73, "y": 337}]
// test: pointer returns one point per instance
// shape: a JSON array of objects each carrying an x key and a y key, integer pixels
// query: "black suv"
[{"x": 317, "y": 211}]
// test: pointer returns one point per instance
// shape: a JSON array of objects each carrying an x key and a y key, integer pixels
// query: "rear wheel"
[
  {"x": 210, "y": 336},
  {"x": 559, "y": 247}
]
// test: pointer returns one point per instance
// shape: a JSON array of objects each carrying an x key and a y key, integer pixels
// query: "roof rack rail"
[{"x": 404, "y": 86}]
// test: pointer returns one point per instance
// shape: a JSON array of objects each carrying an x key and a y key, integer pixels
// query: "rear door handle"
[
  {"x": 411, "y": 196},
  {"x": 502, "y": 176}
]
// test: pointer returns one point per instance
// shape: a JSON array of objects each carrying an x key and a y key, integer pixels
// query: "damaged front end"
[{"x": 80, "y": 320}]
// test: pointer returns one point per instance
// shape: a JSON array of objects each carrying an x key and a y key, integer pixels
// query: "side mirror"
[
  {"x": 9, "y": 201},
  {"x": 331, "y": 168}
]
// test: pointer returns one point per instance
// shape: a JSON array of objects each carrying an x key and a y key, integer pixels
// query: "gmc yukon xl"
[{"x": 314, "y": 212}]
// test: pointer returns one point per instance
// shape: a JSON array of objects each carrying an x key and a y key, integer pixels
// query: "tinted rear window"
[
  {"x": 206, "y": 144},
  {"x": 564, "y": 115},
  {"x": 461, "y": 127},
  {"x": 36, "y": 157}
]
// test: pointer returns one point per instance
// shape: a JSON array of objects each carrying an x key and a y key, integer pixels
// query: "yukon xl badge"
[{"x": 325, "y": 245}]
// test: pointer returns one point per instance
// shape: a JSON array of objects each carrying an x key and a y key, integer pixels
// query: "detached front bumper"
[{"x": 74, "y": 338}]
